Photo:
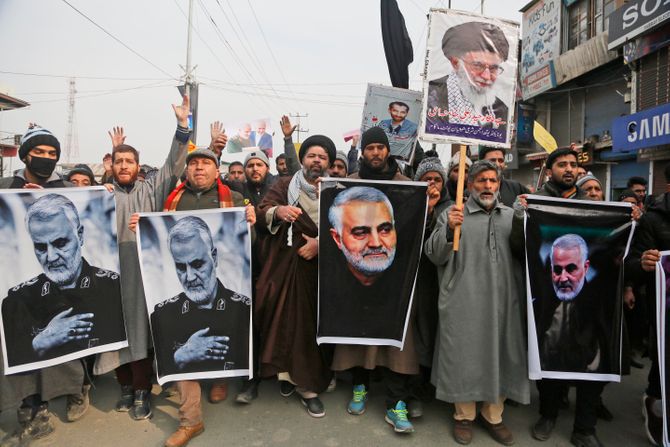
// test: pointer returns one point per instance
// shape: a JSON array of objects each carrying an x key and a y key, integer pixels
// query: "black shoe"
[
  {"x": 653, "y": 425},
  {"x": 141, "y": 405},
  {"x": 603, "y": 413},
  {"x": 314, "y": 407},
  {"x": 125, "y": 403},
  {"x": 582, "y": 440},
  {"x": 286, "y": 388},
  {"x": 414, "y": 408},
  {"x": 31, "y": 427},
  {"x": 543, "y": 428},
  {"x": 248, "y": 392}
]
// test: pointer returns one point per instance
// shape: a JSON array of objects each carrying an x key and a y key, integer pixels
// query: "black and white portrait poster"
[
  {"x": 61, "y": 292},
  {"x": 662, "y": 319},
  {"x": 470, "y": 83},
  {"x": 370, "y": 241},
  {"x": 574, "y": 257},
  {"x": 196, "y": 271},
  {"x": 396, "y": 110}
]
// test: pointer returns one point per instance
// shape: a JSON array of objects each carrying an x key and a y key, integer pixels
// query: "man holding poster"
[{"x": 480, "y": 354}]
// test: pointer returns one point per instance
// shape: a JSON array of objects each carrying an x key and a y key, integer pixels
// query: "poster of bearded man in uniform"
[
  {"x": 574, "y": 257},
  {"x": 470, "y": 81},
  {"x": 62, "y": 297},
  {"x": 196, "y": 270}
]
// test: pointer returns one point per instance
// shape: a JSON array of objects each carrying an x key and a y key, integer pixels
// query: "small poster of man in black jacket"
[{"x": 575, "y": 252}]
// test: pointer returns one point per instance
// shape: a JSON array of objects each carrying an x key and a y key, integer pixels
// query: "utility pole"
[
  {"x": 72, "y": 139},
  {"x": 190, "y": 87},
  {"x": 299, "y": 128}
]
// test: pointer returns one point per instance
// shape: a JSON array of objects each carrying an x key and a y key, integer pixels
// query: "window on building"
[{"x": 587, "y": 18}]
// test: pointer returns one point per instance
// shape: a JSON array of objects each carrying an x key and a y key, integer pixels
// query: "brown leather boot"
[
  {"x": 184, "y": 434},
  {"x": 463, "y": 432},
  {"x": 218, "y": 392},
  {"x": 499, "y": 432}
]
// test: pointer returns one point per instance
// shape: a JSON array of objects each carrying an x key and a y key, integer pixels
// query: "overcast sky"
[{"x": 325, "y": 53}]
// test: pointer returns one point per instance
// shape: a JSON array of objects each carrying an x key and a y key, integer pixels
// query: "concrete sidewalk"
[{"x": 274, "y": 420}]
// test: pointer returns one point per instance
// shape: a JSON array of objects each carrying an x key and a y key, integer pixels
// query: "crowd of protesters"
[{"x": 466, "y": 339}]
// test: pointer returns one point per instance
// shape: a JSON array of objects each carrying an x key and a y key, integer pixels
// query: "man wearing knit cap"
[
  {"x": 591, "y": 187},
  {"x": 509, "y": 189},
  {"x": 426, "y": 289},
  {"x": 81, "y": 175},
  {"x": 203, "y": 189},
  {"x": 398, "y": 366},
  {"x": 40, "y": 151},
  {"x": 376, "y": 163},
  {"x": 339, "y": 166},
  {"x": 258, "y": 177},
  {"x": 452, "y": 181},
  {"x": 476, "y": 51},
  {"x": 286, "y": 290}
]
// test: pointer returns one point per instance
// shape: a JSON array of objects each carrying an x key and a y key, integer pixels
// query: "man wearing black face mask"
[{"x": 40, "y": 152}]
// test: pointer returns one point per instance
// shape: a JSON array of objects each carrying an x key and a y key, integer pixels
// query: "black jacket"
[{"x": 653, "y": 233}]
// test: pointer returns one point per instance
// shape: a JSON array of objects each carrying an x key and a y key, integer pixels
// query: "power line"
[
  {"x": 247, "y": 48},
  {"x": 260, "y": 94},
  {"x": 267, "y": 44},
  {"x": 96, "y": 78},
  {"x": 119, "y": 40},
  {"x": 106, "y": 93},
  {"x": 232, "y": 51}
]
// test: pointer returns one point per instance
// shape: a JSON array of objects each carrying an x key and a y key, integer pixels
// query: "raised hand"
[
  {"x": 63, "y": 329},
  {"x": 216, "y": 129},
  {"x": 118, "y": 138},
  {"x": 286, "y": 127},
  {"x": 201, "y": 347},
  {"x": 181, "y": 112}
]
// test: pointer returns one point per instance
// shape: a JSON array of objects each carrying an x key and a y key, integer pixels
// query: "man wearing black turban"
[{"x": 476, "y": 51}]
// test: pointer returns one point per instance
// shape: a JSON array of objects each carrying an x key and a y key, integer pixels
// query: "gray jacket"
[{"x": 144, "y": 196}]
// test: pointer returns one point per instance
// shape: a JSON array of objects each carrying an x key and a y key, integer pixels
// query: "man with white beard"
[
  {"x": 480, "y": 353},
  {"x": 476, "y": 51}
]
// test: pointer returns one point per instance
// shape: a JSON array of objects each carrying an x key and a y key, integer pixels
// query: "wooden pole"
[{"x": 459, "y": 191}]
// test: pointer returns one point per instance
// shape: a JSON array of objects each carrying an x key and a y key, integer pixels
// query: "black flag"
[{"x": 397, "y": 44}]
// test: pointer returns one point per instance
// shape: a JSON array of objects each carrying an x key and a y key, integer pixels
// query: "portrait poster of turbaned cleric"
[
  {"x": 396, "y": 110},
  {"x": 470, "y": 83},
  {"x": 574, "y": 256},
  {"x": 196, "y": 271},
  {"x": 662, "y": 320},
  {"x": 60, "y": 284},
  {"x": 371, "y": 236}
]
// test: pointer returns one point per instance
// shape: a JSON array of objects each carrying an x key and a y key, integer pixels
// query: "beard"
[
  {"x": 569, "y": 296},
  {"x": 486, "y": 203},
  {"x": 201, "y": 293},
  {"x": 64, "y": 272},
  {"x": 479, "y": 97},
  {"x": 313, "y": 172},
  {"x": 373, "y": 265}
]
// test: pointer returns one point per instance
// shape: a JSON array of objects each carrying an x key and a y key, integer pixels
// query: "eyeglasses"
[
  {"x": 496, "y": 160},
  {"x": 570, "y": 269},
  {"x": 479, "y": 67}
]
